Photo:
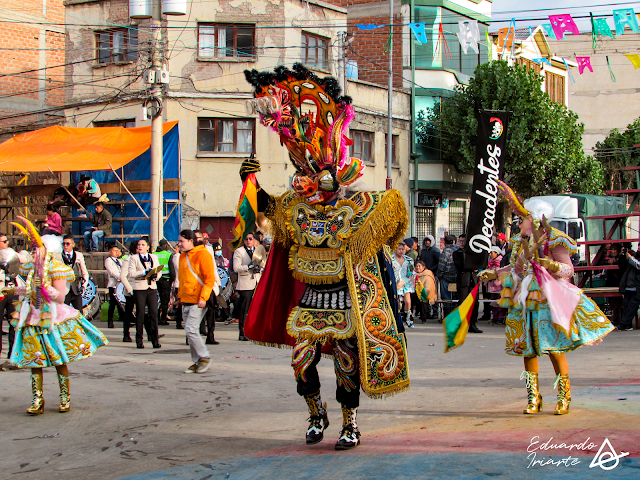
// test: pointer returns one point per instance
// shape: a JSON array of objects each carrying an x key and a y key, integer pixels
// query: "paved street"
[{"x": 135, "y": 414}]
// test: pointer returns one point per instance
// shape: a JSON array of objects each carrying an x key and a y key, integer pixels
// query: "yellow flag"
[{"x": 635, "y": 59}]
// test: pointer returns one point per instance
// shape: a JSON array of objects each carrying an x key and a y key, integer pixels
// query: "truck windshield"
[{"x": 559, "y": 224}]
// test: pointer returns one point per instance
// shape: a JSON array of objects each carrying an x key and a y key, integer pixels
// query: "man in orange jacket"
[{"x": 197, "y": 278}]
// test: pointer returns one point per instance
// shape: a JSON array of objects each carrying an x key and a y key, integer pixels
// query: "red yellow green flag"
[
  {"x": 456, "y": 324},
  {"x": 247, "y": 210}
]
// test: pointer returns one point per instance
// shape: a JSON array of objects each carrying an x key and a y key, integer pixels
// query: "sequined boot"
[
  {"x": 318, "y": 420},
  {"x": 65, "y": 394},
  {"x": 37, "y": 404},
  {"x": 564, "y": 394},
  {"x": 350, "y": 435},
  {"x": 534, "y": 398}
]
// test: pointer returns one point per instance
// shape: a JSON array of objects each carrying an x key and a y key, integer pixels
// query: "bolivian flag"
[
  {"x": 456, "y": 324},
  {"x": 247, "y": 210},
  {"x": 421, "y": 292}
]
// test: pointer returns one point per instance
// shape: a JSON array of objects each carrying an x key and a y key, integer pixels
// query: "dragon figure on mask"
[{"x": 328, "y": 287}]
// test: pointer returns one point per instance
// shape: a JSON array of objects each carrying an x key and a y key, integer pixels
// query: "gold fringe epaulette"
[
  {"x": 279, "y": 219},
  {"x": 387, "y": 223}
]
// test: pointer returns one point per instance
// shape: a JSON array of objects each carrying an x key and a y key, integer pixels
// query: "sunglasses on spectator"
[{"x": 67, "y": 243}]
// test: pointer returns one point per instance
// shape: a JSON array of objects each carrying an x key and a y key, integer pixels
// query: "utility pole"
[
  {"x": 390, "y": 98},
  {"x": 157, "y": 195},
  {"x": 342, "y": 63}
]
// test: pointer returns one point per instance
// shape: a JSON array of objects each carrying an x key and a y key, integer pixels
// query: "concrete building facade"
[{"x": 206, "y": 54}]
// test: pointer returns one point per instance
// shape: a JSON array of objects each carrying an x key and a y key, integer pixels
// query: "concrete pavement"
[{"x": 135, "y": 414}]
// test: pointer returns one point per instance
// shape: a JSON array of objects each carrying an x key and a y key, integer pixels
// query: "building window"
[
  {"x": 425, "y": 221},
  {"x": 529, "y": 64},
  {"x": 225, "y": 41},
  {"x": 314, "y": 50},
  {"x": 394, "y": 151},
  {"x": 118, "y": 45},
  {"x": 128, "y": 123},
  {"x": 554, "y": 86},
  {"x": 361, "y": 147},
  {"x": 457, "y": 217},
  {"x": 226, "y": 135}
]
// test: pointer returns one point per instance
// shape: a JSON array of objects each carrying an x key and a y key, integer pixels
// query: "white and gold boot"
[
  {"x": 350, "y": 435},
  {"x": 318, "y": 419}
]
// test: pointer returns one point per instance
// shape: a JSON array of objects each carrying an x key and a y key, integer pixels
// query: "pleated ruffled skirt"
[
  {"x": 533, "y": 333},
  {"x": 71, "y": 338}
]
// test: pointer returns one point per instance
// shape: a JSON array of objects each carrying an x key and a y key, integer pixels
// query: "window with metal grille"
[
  {"x": 118, "y": 45},
  {"x": 226, "y": 135},
  {"x": 224, "y": 41},
  {"x": 425, "y": 222},
  {"x": 457, "y": 217}
]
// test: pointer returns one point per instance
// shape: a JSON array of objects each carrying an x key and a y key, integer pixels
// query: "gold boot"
[
  {"x": 534, "y": 398},
  {"x": 65, "y": 394},
  {"x": 37, "y": 404},
  {"x": 564, "y": 394}
]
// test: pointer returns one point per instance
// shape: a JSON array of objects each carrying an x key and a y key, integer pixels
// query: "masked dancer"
[{"x": 329, "y": 285}]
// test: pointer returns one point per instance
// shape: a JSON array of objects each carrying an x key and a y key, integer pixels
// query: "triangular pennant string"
[
  {"x": 634, "y": 58},
  {"x": 419, "y": 32},
  {"x": 613, "y": 77},
  {"x": 442, "y": 44},
  {"x": 548, "y": 30},
  {"x": 573, "y": 80},
  {"x": 368, "y": 26}
]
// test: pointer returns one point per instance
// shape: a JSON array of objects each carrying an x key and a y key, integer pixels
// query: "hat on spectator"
[
  {"x": 408, "y": 242},
  {"x": 501, "y": 236},
  {"x": 498, "y": 250}
]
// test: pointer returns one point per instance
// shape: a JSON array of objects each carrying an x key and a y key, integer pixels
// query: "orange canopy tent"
[{"x": 64, "y": 149}]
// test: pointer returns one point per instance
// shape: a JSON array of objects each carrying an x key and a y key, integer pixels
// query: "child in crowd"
[{"x": 498, "y": 314}]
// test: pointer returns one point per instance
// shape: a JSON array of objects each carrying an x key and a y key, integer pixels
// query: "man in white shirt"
[
  {"x": 247, "y": 270},
  {"x": 75, "y": 261},
  {"x": 113, "y": 266}
]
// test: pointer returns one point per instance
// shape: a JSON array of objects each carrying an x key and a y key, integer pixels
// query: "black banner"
[{"x": 490, "y": 153}]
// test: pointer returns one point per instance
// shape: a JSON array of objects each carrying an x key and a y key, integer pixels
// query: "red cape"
[{"x": 276, "y": 295}]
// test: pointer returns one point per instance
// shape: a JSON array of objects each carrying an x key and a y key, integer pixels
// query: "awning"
[{"x": 64, "y": 149}]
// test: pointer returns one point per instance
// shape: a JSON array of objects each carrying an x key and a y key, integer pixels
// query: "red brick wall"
[
  {"x": 368, "y": 46},
  {"x": 21, "y": 50}
]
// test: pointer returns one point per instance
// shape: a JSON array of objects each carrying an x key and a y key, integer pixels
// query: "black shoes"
[
  {"x": 110, "y": 325},
  {"x": 317, "y": 425},
  {"x": 242, "y": 338},
  {"x": 179, "y": 326},
  {"x": 127, "y": 339},
  {"x": 474, "y": 329},
  {"x": 349, "y": 438},
  {"x": 163, "y": 323},
  {"x": 156, "y": 345},
  {"x": 140, "y": 345},
  {"x": 211, "y": 342}
]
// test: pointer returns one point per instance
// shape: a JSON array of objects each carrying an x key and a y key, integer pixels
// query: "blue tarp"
[{"x": 140, "y": 169}]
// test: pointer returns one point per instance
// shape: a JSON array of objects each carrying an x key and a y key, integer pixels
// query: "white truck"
[{"x": 571, "y": 211}]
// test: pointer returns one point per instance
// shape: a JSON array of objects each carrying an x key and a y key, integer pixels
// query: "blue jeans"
[
  {"x": 445, "y": 294},
  {"x": 95, "y": 235}
]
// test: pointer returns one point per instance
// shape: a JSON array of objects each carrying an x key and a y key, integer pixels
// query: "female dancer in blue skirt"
[{"x": 48, "y": 332}]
